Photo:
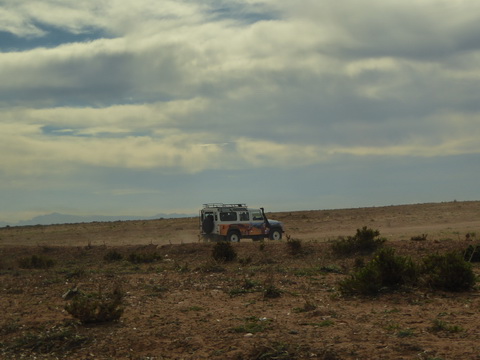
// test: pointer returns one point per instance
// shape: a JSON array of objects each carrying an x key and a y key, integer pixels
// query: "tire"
[
  {"x": 275, "y": 234},
  {"x": 207, "y": 225},
  {"x": 233, "y": 236}
]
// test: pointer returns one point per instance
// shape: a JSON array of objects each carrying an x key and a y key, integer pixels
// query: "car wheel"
[
  {"x": 233, "y": 236},
  {"x": 275, "y": 234}
]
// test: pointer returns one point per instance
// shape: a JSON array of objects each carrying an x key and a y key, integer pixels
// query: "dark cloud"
[
  {"x": 368, "y": 102},
  {"x": 48, "y": 37}
]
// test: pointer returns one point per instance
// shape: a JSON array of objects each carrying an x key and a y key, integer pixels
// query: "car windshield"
[{"x": 257, "y": 215}]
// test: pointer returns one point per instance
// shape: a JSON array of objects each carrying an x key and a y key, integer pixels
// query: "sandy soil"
[
  {"x": 186, "y": 306},
  {"x": 438, "y": 220}
]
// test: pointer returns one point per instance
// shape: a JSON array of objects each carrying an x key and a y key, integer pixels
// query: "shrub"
[
  {"x": 143, "y": 258},
  {"x": 385, "y": 272},
  {"x": 113, "y": 256},
  {"x": 97, "y": 307},
  {"x": 36, "y": 262},
  {"x": 294, "y": 246},
  {"x": 224, "y": 251},
  {"x": 365, "y": 241},
  {"x": 472, "y": 253},
  {"x": 448, "y": 272}
]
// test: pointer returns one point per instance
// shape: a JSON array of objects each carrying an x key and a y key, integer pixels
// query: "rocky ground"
[{"x": 269, "y": 303}]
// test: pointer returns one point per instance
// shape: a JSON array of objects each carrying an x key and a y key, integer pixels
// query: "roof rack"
[{"x": 222, "y": 205}]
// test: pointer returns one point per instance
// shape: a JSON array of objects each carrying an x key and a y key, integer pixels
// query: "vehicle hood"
[{"x": 275, "y": 223}]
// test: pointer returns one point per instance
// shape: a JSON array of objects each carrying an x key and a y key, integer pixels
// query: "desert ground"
[{"x": 183, "y": 304}]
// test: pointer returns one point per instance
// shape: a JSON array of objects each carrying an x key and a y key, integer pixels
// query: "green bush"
[
  {"x": 35, "y": 262},
  {"x": 97, "y": 307},
  {"x": 448, "y": 272},
  {"x": 224, "y": 251},
  {"x": 385, "y": 272},
  {"x": 365, "y": 241}
]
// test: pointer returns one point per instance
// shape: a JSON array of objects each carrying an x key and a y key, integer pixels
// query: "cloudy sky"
[{"x": 120, "y": 107}]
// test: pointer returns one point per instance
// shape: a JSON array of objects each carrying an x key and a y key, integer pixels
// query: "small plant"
[
  {"x": 440, "y": 325},
  {"x": 385, "y": 272},
  {"x": 75, "y": 273},
  {"x": 245, "y": 261},
  {"x": 448, "y": 272},
  {"x": 97, "y": 307},
  {"x": 113, "y": 255},
  {"x": 36, "y": 262},
  {"x": 324, "y": 323},
  {"x": 156, "y": 290},
  {"x": 422, "y": 237},
  {"x": 359, "y": 263},
  {"x": 212, "y": 267},
  {"x": 309, "y": 305},
  {"x": 270, "y": 291},
  {"x": 287, "y": 351},
  {"x": 248, "y": 286},
  {"x": 253, "y": 325},
  {"x": 405, "y": 333},
  {"x": 9, "y": 327},
  {"x": 274, "y": 351},
  {"x": 224, "y": 251},
  {"x": 365, "y": 241},
  {"x": 181, "y": 268},
  {"x": 470, "y": 236}
]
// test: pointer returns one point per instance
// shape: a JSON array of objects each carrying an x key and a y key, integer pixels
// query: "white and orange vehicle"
[{"x": 232, "y": 222}]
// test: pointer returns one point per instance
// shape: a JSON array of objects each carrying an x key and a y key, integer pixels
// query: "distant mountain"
[{"x": 56, "y": 218}]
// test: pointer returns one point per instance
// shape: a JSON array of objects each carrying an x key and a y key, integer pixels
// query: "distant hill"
[{"x": 56, "y": 218}]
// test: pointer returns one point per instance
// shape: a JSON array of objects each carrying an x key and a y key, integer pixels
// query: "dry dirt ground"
[{"x": 187, "y": 306}]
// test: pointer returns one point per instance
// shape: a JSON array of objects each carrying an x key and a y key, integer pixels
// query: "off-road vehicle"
[{"x": 231, "y": 222}]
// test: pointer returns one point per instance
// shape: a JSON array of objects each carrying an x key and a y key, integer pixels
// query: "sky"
[{"x": 119, "y": 107}]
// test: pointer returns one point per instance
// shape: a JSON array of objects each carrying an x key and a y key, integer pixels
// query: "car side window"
[{"x": 244, "y": 216}]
